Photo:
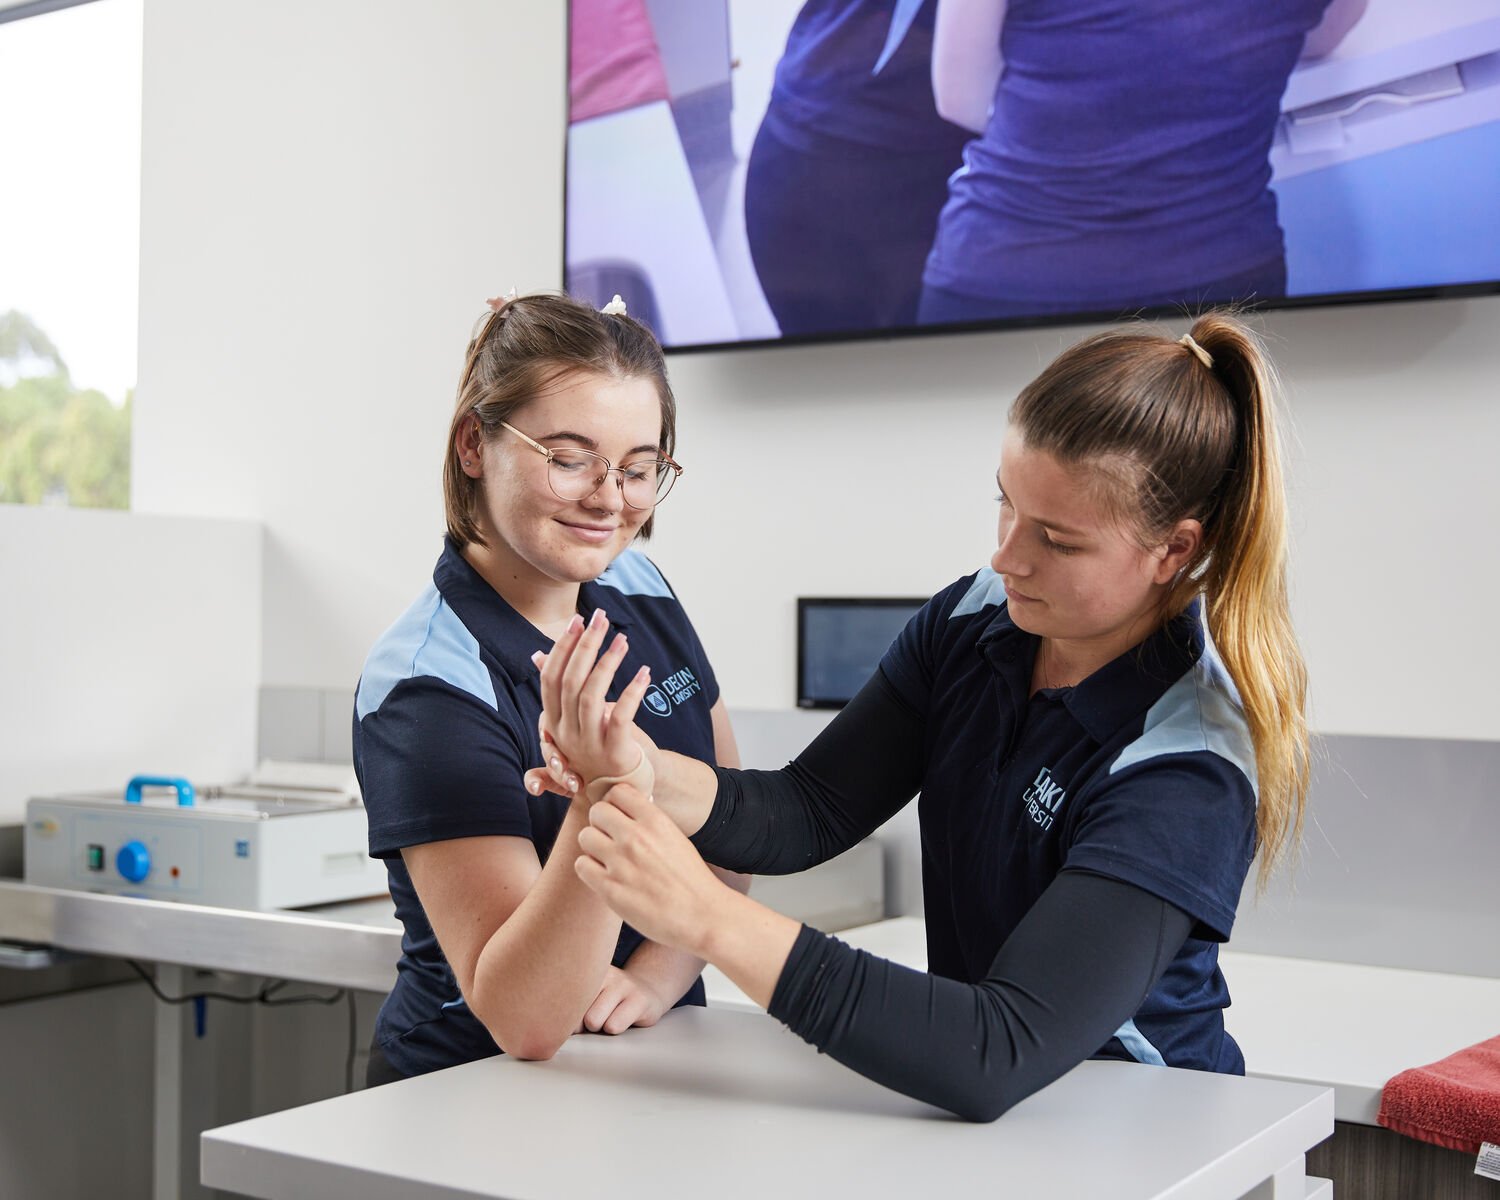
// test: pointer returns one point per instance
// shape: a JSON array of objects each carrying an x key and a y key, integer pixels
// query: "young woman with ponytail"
[{"x": 1105, "y": 726}]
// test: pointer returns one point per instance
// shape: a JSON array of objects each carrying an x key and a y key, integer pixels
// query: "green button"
[{"x": 96, "y": 858}]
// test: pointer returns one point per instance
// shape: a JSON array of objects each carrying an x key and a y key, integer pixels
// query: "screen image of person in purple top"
[
  {"x": 560, "y": 450},
  {"x": 1105, "y": 726},
  {"x": 1122, "y": 157},
  {"x": 849, "y": 168}
]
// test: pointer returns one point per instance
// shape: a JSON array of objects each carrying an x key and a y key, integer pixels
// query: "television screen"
[
  {"x": 840, "y": 642},
  {"x": 756, "y": 171}
]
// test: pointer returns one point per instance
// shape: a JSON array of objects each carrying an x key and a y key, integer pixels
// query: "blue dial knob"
[{"x": 134, "y": 861}]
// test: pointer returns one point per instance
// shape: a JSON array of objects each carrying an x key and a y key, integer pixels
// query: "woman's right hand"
[{"x": 583, "y": 736}]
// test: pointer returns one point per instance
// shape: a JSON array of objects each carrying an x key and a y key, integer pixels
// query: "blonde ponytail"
[{"x": 1245, "y": 589}]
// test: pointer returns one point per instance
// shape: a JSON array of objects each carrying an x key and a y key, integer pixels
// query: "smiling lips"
[{"x": 594, "y": 534}]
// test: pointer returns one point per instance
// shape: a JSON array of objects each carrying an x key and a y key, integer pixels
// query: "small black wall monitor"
[{"x": 840, "y": 642}]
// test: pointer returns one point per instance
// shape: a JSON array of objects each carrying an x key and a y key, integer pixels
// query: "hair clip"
[
  {"x": 615, "y": 308},
  {"x": 499, "y": 303}
]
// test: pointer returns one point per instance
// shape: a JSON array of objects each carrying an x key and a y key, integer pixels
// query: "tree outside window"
[{"x": 70, "y": 97}]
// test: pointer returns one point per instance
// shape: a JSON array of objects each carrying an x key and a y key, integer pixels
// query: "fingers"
[
  {"x": 552, "y": 670},
  {"x": 591, "y": 695},
  {"x": 626, "y": 1013},
  {"x": 591, "y": 872},
  {"x": 616, "y": 986},
  {"x": 575, "y": 674},
  {"x": 539, "y": 780},
  {"x": 596, "y": 843},
  {"x": 629, "y": 800},
  {"x": 620, "y": 1005},
  {"x": 629, "y": 703},
  {"x": 555, "y": 774}
]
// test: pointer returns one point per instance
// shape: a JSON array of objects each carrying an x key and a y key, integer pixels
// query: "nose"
[
  {"x": 609, "y": 492},
  {"x": 1008, "y": 558}
]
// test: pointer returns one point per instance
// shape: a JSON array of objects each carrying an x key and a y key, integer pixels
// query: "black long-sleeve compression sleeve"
[
  {"x": 1075, "y": 969},
  {"x": 853, "y": 777}
]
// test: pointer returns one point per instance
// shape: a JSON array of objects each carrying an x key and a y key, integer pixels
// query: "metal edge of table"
[{"x": 284, "y": 945}]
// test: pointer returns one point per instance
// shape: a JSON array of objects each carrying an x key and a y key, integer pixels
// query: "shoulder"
[
  {"x": 963, "y": 609},
  {"x": 972, "y": 595},
  {"x": 427, "y": 641},
  {"x": 1199, "y": 715},
  {"x": 633, "y": 574},
  {"x": 951, "y": 620}
]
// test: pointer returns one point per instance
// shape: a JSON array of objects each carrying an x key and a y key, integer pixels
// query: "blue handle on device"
[{"x": 185, "y": 795}]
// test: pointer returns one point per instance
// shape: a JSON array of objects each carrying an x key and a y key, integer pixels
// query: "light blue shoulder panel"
[
  {"x": 635, "y": 575},
  {"x": 986, "y": 591},
  {"x": 427, "y": 639},
  {"x": 1201, "y": 711}
]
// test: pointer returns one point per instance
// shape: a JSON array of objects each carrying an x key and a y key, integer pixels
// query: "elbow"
[
  {"x": 520, "y": 1035},
  {"x": 532, "y": 1045},
  {"x": 981, "y": 1111},
  {"x": 984, "y": 1101},
  {"x": 952, "y": 108},
  {"x": 532, "y": 1041}
]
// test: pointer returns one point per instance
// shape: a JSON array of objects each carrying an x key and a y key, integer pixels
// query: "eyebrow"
[
  {"x": 566, "y": 435},
  {"x": 1066, "y": 530}
]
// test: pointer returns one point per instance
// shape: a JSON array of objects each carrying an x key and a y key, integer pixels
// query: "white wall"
[
  {"x": 315, "y": 248},
  {"x": 329, "y": 192},
  {"x": 128, "y": 645}
]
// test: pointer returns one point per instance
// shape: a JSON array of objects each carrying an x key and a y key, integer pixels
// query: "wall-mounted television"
[{"x": 771, "y": 171}]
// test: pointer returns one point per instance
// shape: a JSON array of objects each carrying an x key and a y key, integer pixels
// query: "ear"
[
  {"x": 1178, "y": 549},
  {"x": 468, "y": 447}
]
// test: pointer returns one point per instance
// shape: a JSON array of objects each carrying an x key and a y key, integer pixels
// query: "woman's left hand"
[
  {"x": 640, "y": 864},
  {"x": 623, "y": 1001}
]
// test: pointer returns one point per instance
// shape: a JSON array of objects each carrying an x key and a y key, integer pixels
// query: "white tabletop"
[
  {"x": 1331, "y": 1024},
  {"x": 733, "y": 1105},
  {"x": 1351, "y": 1027}
]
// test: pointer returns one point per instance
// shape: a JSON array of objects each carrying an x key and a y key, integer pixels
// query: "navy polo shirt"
[
  {"x": 1144, "y": 772},
  {"x": 445, "y": 725}
]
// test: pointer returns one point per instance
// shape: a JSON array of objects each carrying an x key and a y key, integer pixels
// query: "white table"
[
  {"x": 1340, "y": 1025},
  {"x": 732, "y": 1105}
]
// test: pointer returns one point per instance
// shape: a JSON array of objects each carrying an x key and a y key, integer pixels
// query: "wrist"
[
  {"x": 715, "y": 928},
  {"x": 641, "y": 777}
]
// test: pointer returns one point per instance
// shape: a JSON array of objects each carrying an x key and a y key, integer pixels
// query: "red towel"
[{"x": 1454, "y": 1102}]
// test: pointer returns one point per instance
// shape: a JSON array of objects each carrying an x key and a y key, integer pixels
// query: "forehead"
[
  {"x": 600, "y": 406},
  {"x": 1043, "y": 489}
]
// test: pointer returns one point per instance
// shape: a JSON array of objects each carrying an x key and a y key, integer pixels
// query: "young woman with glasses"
[
  {"x": 559, "y": 451},
  {"x": 1104, "y": 725}
]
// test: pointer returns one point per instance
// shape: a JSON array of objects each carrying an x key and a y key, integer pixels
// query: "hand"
[
  {"x": 582, "y": 736},
  {"x": 639, "y": 863},
  {"x": 624, "y": 1001}
]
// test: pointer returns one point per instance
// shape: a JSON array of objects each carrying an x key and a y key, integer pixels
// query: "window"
[{"x": 70, "y": 95}]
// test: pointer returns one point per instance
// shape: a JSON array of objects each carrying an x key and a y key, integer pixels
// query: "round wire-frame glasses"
[{"x": 574, "y": 473}]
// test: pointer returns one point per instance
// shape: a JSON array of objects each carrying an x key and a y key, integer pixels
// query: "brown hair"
[
  {"x": 1177, "y": 438},
  {"x": 520, "y": 351}
]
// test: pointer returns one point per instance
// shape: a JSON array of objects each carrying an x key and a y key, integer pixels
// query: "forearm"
[
  {"x": 669, "y": 971},
  {"x": 966, "y": 62},
  {"x": 749, "y": 943},
  {"x": 684, "y": 790},
  {"x": 542, "y": 968},
  {"x": 859, "y": 771},
  {"x": 1074, "y": 971}
]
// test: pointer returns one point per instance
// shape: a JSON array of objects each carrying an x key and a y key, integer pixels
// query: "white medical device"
[{"x": 292, "y": 835}]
